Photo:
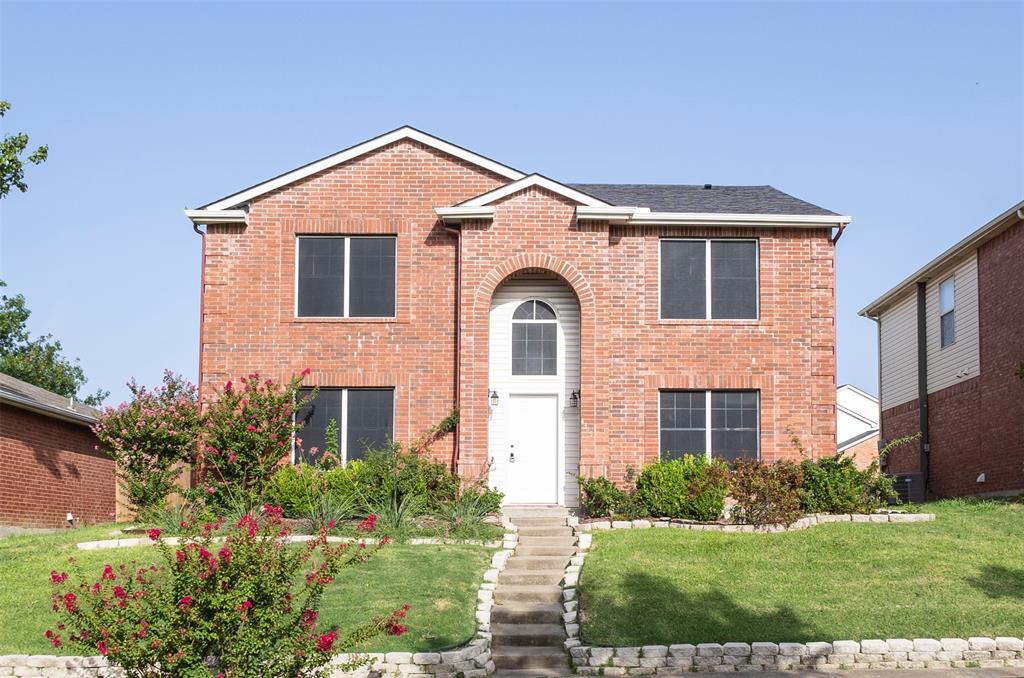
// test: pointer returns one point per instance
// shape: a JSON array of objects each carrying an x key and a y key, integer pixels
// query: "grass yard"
[
  {"x": 960, "y": 576},
  {"x": 438, "y": 582}
]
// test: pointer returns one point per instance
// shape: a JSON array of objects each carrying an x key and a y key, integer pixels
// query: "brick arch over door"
[{"x": 474, "y": 370}]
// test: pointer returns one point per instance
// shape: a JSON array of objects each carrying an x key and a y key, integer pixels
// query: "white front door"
[{"x": 532, "y": 458}]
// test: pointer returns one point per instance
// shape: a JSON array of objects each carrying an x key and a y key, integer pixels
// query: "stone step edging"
[
  {"x": 801, "y": 524},
  {"x": 292, "y": 539}
]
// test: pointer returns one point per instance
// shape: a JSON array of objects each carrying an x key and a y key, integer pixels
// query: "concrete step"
[
  {"x": 533, "y": 593},
  {"x": 565, "y": 532},
  {"x": 560, "y": 672},
  {"x": 530, "y": 658},
  {"x": 528, "y": 577},
  {"x": 536, "y": 511},
  {"x": 518, "y": 562},
  {"x": 532, "y": 635},
  {"x": 558, "y": 540},
  {"x": 529, "y": 550},
  {"x": 533, "y": 521},
  {"x": 527, "y": 613}
]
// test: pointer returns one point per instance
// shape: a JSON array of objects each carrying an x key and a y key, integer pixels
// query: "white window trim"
[
  {"x": 707, "y": 279},
  {"x": 343, "y": 424},
  {"x": 952, "y": 309},
  {"x": 707, "y": 416},
  {"x": 554, "y": 322},
  {"x": 346, "y": 286}
]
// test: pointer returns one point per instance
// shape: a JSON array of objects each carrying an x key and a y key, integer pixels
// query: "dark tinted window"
[
  {"x": 733, "y": 279},
  {"x": 372, "y": 277},
  {"x": 683, "y": 274},
  {"x": 534, "y": 348},
  {"x": 734, "y": 424},
  {"x": 321, "y": 277},
  {"x": 323, "y": 408},
  {"x": 683, "y": 422},
  {"x": 370, "y": 420},
  {"x": 947, "y": 329}
]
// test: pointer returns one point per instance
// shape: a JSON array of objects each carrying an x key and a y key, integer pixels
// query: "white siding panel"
[
  {"x": 506, "y": 298},
  {"x": 960, "y": 360},
  {"x": 899, "y": 352}
]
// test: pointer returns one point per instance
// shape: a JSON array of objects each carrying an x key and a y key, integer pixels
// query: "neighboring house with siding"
[
  {"x": 857, "y": 425},
  {"x": 578, "y": 328},
  {"x": 950, "y": 339},
  {"x": 49, "y": 465}
]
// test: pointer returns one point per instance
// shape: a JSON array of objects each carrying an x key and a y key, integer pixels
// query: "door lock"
[{"x": 512, "y": 456}]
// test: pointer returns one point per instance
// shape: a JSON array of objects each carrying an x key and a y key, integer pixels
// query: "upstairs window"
[
  {"x": 534, "y": 340},
  {"x": 363, "y": 420},
  {"x": 720, "y": 424},
  {"x": 726, "y": 289},
  {"x": 345, "y": 277},
  {"x": 947, "y": 312}
]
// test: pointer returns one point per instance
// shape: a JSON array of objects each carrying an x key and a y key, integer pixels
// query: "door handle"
[{"x": 512, "y": 457}]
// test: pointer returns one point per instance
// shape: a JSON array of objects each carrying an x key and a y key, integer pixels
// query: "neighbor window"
[
  {"x": 720, "y": 424},
  {"x": 725, "y": 290},
  {"x": 534, "y": 339},
  {"x": 363, "y": 420},
  {"x": 341, "y": 276},
  {"x": 947, "y": 312}
]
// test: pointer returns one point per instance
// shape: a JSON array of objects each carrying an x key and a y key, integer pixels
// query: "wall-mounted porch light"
[
  {"x": 494, "y": 398},
  {"x": 574, "y": 399}
]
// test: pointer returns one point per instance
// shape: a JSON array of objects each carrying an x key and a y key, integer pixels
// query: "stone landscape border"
[
  {"x": 894, "y": 653},
  {"x": 472, "y": 660},
  {"x": 801, "y": 524},
  {"x": 291, "y": 539}
]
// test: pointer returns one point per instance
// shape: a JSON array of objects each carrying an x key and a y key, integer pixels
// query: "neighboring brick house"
[
  {"x": 570, "y": 324},
  {"x": 951, "y": 337},
  {"x": 49, "y": 466},
  {"x": 857, "y": 425}
]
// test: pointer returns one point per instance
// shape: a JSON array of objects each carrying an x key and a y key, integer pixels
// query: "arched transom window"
[{"x": 534, "y": 339}]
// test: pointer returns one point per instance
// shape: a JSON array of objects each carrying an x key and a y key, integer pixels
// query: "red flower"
[
  {"x": 58, "y": 578},
  {"x": 120, "y": 592},
  {"x": 309, "y": 619},
  {"x": 306, "y": 372},
  {"x": 396, "y": 629},
  {"x": 180, "y": 555},
  {"x": 154, "y": 534},
  {"x": 69, "y": 602},
  {"x": 325, "y": 642},
  {"x": 102, "y": 647},
  {"x": 53, "y": 638},
  {"x": 368, "y": 524},
  {"x": 245, "y": 607},
  {"x": 227, "y": 387},
  {"x": 250, "y": 428},
  {"x": 108, "y": 573},
  {"x": 184, "y": 603},
  {"x": 225, "y": 555}
]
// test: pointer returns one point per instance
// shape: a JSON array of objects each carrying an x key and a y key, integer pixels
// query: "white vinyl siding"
[
  {"x": 899, "y": 351},
  {"x": 566, "y": 380},
  {"x": 948, "y": 365}
]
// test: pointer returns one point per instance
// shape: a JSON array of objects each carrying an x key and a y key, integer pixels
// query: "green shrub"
[
  {"x": 490, "y": 499},
  {"x": 766, "y": 493},
  {"x": 466, "y": 517},
  {"x": 836, "y": 485},
  {"x": 690, "y": 488},
  {"x": 391, "y": 471},
  {"x": 600, "y": 497}
]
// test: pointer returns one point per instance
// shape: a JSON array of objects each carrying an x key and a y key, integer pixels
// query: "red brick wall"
[
  {"x": 864, "y": 452},
  {"x": 49, "y": 467},
  {"x": 627, "y": 352},
  {"x": 977, "y": 426}
]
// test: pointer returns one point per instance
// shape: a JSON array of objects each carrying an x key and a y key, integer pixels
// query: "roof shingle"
[{"x": 698, "y": 199}]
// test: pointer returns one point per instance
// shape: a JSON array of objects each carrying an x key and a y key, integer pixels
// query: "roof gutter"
[
  {"x": 48, "y": 410},
  {"x": 208, "y": 217},
  {"x": 643, "y": 216}
]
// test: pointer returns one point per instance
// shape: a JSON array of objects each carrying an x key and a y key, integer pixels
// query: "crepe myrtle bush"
[
  {"x": 231, "y": 601},
  {"x": 151, "y": 438},
  {"x": 247, "y": 431}
]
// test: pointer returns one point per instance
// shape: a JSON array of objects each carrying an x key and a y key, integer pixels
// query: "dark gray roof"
[
  {"x": 23, "y": 394},
  {"x": 687, "y": 198}
]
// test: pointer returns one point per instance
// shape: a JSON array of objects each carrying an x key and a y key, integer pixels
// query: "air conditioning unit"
[{"x": 909, "y": 487}]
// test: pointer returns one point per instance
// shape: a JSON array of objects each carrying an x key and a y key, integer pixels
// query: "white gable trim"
[
  {"x": 455, "y": 215},
  {"x": 399, "y": 134},
  {"x": 534, "y": 180}
]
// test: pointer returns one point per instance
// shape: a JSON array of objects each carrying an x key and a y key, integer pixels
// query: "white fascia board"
[
  {"x": 208, "y": 216},
  {"x": 642, "y": 216},
  {"x": 534, "y": 180},
  {"x": 462, "y": 213},
  {"x": 399, "y": 134},
  {"x": 618, "y": 215}
]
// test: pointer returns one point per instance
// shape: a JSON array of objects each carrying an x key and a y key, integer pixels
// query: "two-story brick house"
[{"x": 578, "y": 328}]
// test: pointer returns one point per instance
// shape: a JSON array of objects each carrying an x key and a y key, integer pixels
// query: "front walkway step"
[
  {"x": 527, "y": 577},
  {"x": 518, "y": 562},
  {"x": 547, "y": 635},
  {"x": 567, "y": 541},
  {"x": 564, "y": 532},
  {"x": 529, "y": 657},
  {"x": 533, "y": 673},
  {"x": 525, "y": 512},
  {"x": 528, "y": 550},
  {"x": 527, "y": 613},
  {"x": 532, "y": 521},
  {"x": 511, "y": 593}
]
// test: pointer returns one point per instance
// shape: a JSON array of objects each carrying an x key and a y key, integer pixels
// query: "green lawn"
[
  {"x": 960, "y": 576},
  {"x": 438, "y": 582}
]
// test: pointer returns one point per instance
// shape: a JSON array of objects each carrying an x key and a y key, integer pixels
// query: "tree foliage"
[
  {"x": 38, "y": 361},
  {"x": 12, "y": 165}
]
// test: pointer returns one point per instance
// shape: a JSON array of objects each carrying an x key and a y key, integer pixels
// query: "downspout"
[
  {"x": 457, "y": 232},
  {"x": 881, "y": 433},
  {"x": 202, "y": 303},
  {"x": 839, "y": 233},
  {"x": 922, "y": 380}
]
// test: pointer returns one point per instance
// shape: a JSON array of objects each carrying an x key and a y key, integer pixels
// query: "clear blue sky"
[{"x": 909, "y": 117}]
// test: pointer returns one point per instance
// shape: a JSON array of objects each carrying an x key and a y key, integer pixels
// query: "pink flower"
[
  {"x": 120, "y": 592},
  {"x": 108, "y": 573},
  {"x": 227, "y": 386},
  {"x": 180, "y": 555},
  {"x": 326, "y": 641},
  {"x": 245, "y": 607},
  {"x": 69, "y": 602},
  {"x": 367, "y": 525},
  {"x": 58, "y": 578},
  {"x": 306, "y": 372},
  {"x": 250, "y": 428},
  {"x": 102, "y": 647},
  {"x": 225, "y": 555},
  {"x": 184, "y": 603},
  {"x": 154, "y": 534}
]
